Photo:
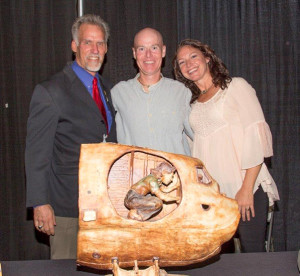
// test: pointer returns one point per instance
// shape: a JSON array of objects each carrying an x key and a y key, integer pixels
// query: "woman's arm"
[{"x": 244, "y": 196}]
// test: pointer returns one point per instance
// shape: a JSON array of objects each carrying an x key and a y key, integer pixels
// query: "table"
[{"x": 252, "y": 264}]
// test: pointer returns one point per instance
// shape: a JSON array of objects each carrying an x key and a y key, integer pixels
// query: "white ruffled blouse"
[{"x": 231, "y": 135}]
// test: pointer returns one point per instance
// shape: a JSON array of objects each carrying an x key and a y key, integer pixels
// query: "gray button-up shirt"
[{"x": 157, "y": 119}]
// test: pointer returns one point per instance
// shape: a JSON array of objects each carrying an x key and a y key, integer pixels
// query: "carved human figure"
[{"x": 145, "y": 198}]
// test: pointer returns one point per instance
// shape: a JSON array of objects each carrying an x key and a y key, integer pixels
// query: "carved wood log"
[{"x": 181, "y": 234}]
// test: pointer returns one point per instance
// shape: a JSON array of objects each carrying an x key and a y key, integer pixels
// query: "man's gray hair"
[{"x": 91, "y": 19}]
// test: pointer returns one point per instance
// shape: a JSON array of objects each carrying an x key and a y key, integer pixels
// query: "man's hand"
[{"x": 44, "y": 219}]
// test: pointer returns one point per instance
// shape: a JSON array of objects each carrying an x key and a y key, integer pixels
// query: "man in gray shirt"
[{"x": 152, "y": 111}]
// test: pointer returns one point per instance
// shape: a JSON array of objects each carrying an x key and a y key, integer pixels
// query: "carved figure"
[{"x": 160, "y": 182}]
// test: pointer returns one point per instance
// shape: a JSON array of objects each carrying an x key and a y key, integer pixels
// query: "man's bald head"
[{"x": 147, "y": 32}]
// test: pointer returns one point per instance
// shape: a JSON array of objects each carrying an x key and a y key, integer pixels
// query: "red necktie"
[{"x": 97, "y": 99}]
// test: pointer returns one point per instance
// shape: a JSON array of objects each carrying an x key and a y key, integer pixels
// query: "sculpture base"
[{"x": 153, "y": 270}]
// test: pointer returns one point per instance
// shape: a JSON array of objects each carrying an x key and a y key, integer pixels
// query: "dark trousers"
[{"x": 252, "y": 234}]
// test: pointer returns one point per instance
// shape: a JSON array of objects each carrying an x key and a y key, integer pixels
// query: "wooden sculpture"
[
  {"x": 189, "y": 229},
  {"x": 145, "y": 198}
]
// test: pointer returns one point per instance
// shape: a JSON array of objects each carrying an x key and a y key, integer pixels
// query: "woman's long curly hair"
[{"x": 218, "y": 70}]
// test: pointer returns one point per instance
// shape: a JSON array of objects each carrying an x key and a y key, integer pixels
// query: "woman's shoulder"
[
  {"x": 242, "y": 93},
  {"x": 239, "y": 87},
  {"x": 239, "y": 82}
]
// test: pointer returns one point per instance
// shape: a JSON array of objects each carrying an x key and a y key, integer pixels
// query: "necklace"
[
  {"x": 206, "y": 90},
  {"x": 147, "y": 85},
  {"x": 144, "y": 85}
]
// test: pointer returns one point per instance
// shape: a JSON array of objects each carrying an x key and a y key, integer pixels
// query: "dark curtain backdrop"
[
  {"x": 125, "y": 19},
  {"x": 258, "y": 40},
  {"x": 35, "y": 43}
]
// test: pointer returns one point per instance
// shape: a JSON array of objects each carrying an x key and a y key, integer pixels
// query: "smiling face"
[
  {"x": 148, "y": 51},
  {"x": 91, "y": 48},
  {"x": 192, "y": 63}
]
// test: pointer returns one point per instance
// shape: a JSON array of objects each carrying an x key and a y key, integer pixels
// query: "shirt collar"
[
  {"x": 83, "y": 75},
  {"x": 138, "y": 84}
]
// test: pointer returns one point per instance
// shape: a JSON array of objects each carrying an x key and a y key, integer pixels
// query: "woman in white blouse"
[{"x": 231, "y": 136}]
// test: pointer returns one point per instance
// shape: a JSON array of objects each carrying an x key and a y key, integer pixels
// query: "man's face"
[
  {"x": 91, "y": 48},
  {"x": 148, "y": 52}
]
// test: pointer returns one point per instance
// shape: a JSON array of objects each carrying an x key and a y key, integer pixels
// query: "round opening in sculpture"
[{"x": 143, "y": 187}]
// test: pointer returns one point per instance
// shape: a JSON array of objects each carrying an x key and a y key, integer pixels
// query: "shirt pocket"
[{"x": 173, "y": 118}]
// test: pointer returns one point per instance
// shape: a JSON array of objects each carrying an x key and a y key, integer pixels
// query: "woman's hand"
[
  {"x": 244, "y": 196},
  {"x": 245, "y": 200}
]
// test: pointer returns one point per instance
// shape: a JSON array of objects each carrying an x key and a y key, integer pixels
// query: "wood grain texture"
[{"x": 181, "y": 234}]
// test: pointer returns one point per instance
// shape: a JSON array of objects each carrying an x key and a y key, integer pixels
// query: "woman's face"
[{"x": 192, "y": 63}]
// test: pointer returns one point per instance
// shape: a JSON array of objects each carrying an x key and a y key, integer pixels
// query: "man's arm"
[
  {"x": 41, "y": 128},
  {"x": 244, "y": 196},
  {"x": 166, "y": 197},
  {"x": 187, "y": 128}
]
